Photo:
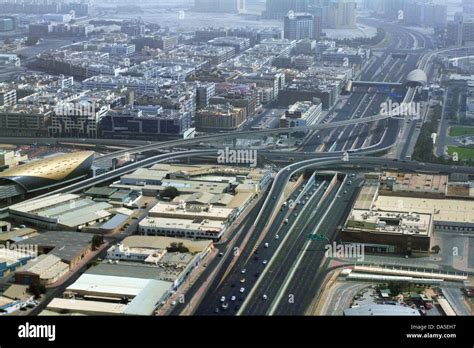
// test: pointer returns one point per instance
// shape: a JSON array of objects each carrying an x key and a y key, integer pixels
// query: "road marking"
[
  {"x": 272, "y": 259},
  {"x": 295, "y": 266}
]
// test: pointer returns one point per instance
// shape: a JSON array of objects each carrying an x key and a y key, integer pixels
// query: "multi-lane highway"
[{"x": 306, "y": 256}]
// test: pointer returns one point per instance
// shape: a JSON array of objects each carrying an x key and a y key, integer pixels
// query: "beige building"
[
  {"x": 182, "y": 228},
  {"x": 218, "y": 117}
]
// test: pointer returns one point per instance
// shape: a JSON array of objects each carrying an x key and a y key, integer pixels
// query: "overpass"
[{"x": 238, "y": 135}]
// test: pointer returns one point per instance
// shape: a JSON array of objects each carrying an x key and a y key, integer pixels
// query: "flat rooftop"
[
  {"x": 86, "y": 307},
  {"x": 191, "y": 211},
  {"x": 159, "y": 242},
  {"x": 449, "y": 210},
  {"x": 390, "y": 222},
  {"x": 186, "y": 224},
  {"x": 416, "y": 182}
]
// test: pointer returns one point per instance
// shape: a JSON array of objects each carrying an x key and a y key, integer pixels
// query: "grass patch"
[
  {"x": 464, "y": 153},
  {"x": 459, "y": 131}
]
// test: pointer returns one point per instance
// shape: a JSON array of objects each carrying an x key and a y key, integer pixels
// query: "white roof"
[
  {"x": 94, "y": 307},
  {"x": 120, "y": 286}
]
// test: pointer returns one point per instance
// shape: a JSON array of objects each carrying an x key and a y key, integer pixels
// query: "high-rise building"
[
  {"x": 342, "y": 14},
  {"x": 7, "y": 23},
  {"x": 225, "y": 6},
  {"x": 278, "y": 9},
  {"x": 461, "y": 30},
  {"x": 299, "y": 26}
]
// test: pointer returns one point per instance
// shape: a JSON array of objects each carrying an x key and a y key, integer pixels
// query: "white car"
[
  {"x": 277, "y": 237},
  {"x": 264, "y": 262},
  {"x": 233, "y": 298},
  {"x": 243, "y": 271},
  {"x": 242, "y": 290},
  {"x": 222, "y": 298},
  {"x": 264, "y": 297}
]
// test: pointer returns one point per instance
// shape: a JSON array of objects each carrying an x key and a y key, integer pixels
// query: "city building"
[
  {"x": 278, "y": 9},
  {"x": 342, "y": 14},
  {"x": 146, "y": 123},
  {"x": 399, "y": 212},
  {"x": 413, "y": 185},
  {"x": 298, "y": 26},
  {"x": 7, "y": 23},
  {"x": 225, "y": 6},
  {"x": 218, "y": 118},
  {"x": 184, "y": 210},
  {"x": 182, "y": 228},
  {"x": 301, "y": 114},
  {"x": 7, "y": 96},
  {"x": 460, "y": 31},
  {"x": 204, "y": 92}
]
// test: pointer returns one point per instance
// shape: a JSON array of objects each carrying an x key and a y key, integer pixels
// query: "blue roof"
[{"x": 113, "y": 223}]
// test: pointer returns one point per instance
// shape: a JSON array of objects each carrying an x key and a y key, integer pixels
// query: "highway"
[{"x": 229, "y": 279}]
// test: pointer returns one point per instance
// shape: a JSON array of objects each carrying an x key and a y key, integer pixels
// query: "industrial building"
[
  {"x": 69, "y": 247},
  {"x": 45, "y": 270},
  {"x": 95, "y": 294},
  {"x": 137, "y": 277}
]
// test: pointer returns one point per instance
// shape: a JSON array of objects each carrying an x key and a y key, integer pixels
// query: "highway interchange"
[{"x": 284, "y": 276}]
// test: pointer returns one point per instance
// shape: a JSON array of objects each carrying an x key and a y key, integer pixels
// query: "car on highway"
[
  {"x": 225, "y": 305},
  {"x": 266, "y": 245},
  {"x": 264, "y": 262},
  {"x": 277, "y": 237},
  {"x": 265, "y": 297},
  {"x": 242, "y": 280},
  {"x": 243, "y": 271},
  {"x": 286, "y": 221},
  {"x": 242, "y": 290},
  {"x": 216, "y": 310},
  {"x": 222, "y": 298},
  {"x": 233, "y": 298}
]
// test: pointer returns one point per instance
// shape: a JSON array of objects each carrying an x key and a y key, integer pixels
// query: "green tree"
[
  {"x": 31, "y": 40},
  {"x": 177, "y": 247},
  {"x": 97, "y": 241},
  {"x": 36, "y": 289},
  {"x": 170, "y": 192}
]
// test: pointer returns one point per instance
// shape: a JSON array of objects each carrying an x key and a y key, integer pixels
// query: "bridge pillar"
[
  {"x": 275, "y": 139},
  {"x": 234, "y": 143},
  {"x": 114, "y": 163}
]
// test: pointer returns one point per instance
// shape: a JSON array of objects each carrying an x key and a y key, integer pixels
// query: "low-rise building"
[
  {"x": 182, "y": 228},
  {"x": 46, "y": 270},
  {"x": 215, "y": 118},
  {"x": 69, "y": 247},
  {"x": 302, "y": 114}
]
